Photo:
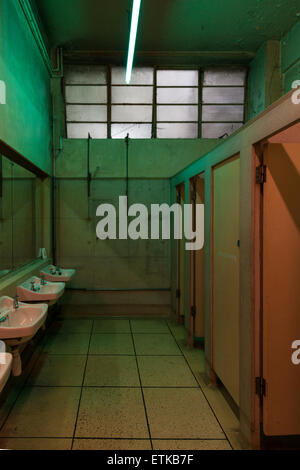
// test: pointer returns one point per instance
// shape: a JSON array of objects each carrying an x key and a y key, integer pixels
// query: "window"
[
  {"x": 132, "y": 105},
  {"x": 223, "y": 102},
  {"x": 86, "y": 101},
  {"x": 175, "y": 103}
]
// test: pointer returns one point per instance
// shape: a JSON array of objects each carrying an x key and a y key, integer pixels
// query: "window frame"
[{"x": 154, "y": 123}]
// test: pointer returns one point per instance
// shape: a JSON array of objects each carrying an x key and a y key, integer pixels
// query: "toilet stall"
[{"x": 280, "y": 300}]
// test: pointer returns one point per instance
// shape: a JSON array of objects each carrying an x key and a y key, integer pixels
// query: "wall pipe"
[
  {"x": 53, "y": 189},
  {"x": 127, "y": 164},
  {"x": 34, "y": 27},
  {"x": 89, "y": 175}
]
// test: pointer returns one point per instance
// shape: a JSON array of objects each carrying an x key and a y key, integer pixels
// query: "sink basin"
[
  {"x": 65, "y": 276},
  {"x": 49, "y": 292},
  {"x": 18, "y": 326},
  {"x": 5, "y": 368},
  {"x": 23, "y": 322}
]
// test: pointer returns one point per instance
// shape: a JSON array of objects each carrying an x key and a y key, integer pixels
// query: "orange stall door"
[{"x": 281, "y": 289}]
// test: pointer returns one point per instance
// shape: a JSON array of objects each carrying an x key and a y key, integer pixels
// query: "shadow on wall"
[
  {"x": 119, "y": 264},
  {"x": 283, "y": 170}
]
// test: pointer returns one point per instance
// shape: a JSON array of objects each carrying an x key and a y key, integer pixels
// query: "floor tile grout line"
[
  {"x": 141, "y": 387},
  {"x": 87, "y": 355},
  {"x": 199, "y": 386},
  {"x": 82, "y": 385}
]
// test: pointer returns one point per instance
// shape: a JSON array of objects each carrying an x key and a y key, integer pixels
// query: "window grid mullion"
[
  {"x": 200, "y": 87},
  {"x": 177, "y": 104},
  {"x": 154, "y": 105},
  {"x": 109, "y": 101}
]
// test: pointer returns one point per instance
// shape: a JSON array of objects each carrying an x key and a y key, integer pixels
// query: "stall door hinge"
[
  {"x": 261, "y": 174},
  {"x": 260, "y": 386},
  {"x": 193, "y": 311},
  {"x": 178, "y": 294}
]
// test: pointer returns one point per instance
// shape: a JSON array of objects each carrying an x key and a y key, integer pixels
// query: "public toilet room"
[{"x": 150, "y": 225}]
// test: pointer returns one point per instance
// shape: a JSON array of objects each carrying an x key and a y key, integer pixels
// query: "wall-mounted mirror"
[{"x": 18, "y": 216}]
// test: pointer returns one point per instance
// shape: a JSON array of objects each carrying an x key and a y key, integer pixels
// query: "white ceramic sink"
[
  {"x": 5, "y": 369},
  {"x": 19, "y": 325},
  {"x": 51, "y": 291},
  {"x": 23, "y": 322},
  {"x": 50, "y": 273}
]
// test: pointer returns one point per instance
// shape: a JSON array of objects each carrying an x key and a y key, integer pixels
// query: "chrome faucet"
[
  {"x": 16, "y": 302},
  {"x": 33, "y": 285},
  {"x": 43, "y": 281}
]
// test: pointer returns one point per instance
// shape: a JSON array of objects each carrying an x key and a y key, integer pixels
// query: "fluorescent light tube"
[{"x": 133, "y": 31}]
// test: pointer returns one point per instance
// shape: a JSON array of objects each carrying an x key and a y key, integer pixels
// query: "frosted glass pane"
[
  {"x": 177, "y": 95},
  {"x": 86, "y": 94},
  {"x": 177, "y": 78},
  {"x": 85, "y": 74},
  {"x": 132, "y": 94},
  {"x": 177, "y": 113},
  {"x": 224, "y": 77},
  {"x": 222, "y": 113},
  {"x": 135, "y": 131},
  {"x": 131, "y": 113},
  {"x": 140, "y": 76},
  {"x": 223, "y": 95},
  {"x": 177, "y": 131},
  {"x": 86, "y": 113},
  {"x": 81, "y": 131},
  {"x": 215, "y": 131}
]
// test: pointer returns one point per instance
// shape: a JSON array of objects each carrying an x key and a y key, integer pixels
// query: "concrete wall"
[
  {"x": 265, "y": 78},
  {"x": 109, "y": 264},
  {"x": 290, "y": 57},
  {"x": 148, "y": 158},
  {"x": 273, "y": 70},
  {"x": 114, "y": 264},
  {"x": 25, "y": 123},
  {"x": 257, "y": 81}
]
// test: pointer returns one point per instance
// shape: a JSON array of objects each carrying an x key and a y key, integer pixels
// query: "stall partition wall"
[
  {"x": 226, "y": 274},
  {"x": 180, "y": 263},
  {"x": 281, "y": 293},
  {"x": 196, "y": 268}
]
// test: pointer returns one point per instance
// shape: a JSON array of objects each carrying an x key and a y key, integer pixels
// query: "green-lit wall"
[
  {"x": 257, "y": 81},
  {"x": 25, "y": 123},
  {"x": 273, "y": 70},
  {"x": 290, "y": 57},
  {"x": 116, "y": 264}
]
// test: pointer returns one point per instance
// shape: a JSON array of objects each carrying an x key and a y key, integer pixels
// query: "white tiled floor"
[{"x": 117, "y": 384}]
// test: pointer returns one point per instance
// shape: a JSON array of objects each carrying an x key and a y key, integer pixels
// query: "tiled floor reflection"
[{"x": 115, "y": 384}]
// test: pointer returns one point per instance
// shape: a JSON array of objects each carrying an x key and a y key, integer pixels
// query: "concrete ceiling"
[{"x": 167, "y": 25}]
